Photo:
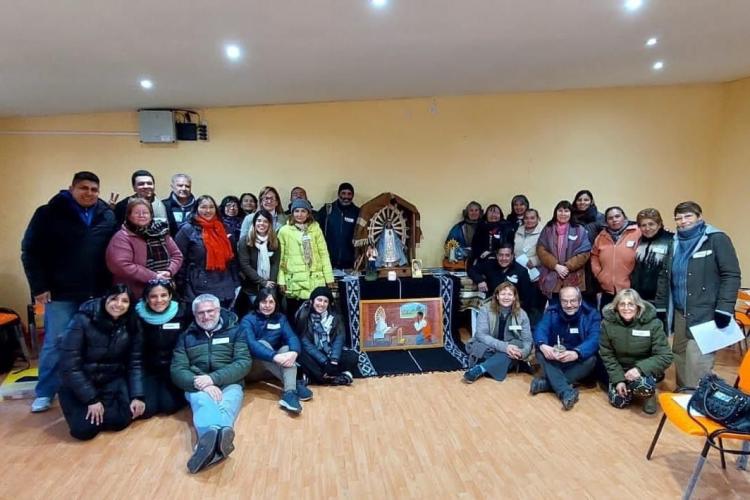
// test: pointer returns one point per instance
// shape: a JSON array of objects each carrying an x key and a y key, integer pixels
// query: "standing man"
[
  {"x": 143, "y": 186},
  {"x": 63, "y": 256},
  {"x": 180, "y": 203},
  {"x": 699, "y": 283},
  {"x": 337, "y": 220},
  {"x": 567, "y": 341},
  {"x": 209, "y": 363}
]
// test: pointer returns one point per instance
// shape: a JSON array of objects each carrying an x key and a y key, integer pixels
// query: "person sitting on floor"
[
  {"x": 321, "y": 329},
  {"x": 502, "y": 338},
  {"x": 634, "y": 349},
  {"x": 100, "y": 366},
  {"x": 567, "y": 339},
  {"x": 276, "y": 347},
  {"x": 162, "y": 319},
  {"x": 209, "y": 363}
]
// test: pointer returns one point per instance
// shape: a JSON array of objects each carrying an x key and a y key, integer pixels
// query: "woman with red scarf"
[{"x": 209, "y": 265}]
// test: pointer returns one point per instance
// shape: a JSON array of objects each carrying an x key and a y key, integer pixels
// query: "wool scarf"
[
  {"x": 561, "y": 230},
  {"x": 322, "y": 324},
  {"x": 264, "y": 258},
  {"x": 616, "y": 233},
  {"x": 218, "y": 249},
  {"x": 687, "y": 240},
  {"x": 307, "y": 253},
  {"x": 155, "y": 318},
  {"x": 155, "y": 235}
]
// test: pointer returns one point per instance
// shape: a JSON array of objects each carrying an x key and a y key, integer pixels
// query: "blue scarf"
[
  {"x": 687, "y": 240},
  {"x": 153, "y": 318}
]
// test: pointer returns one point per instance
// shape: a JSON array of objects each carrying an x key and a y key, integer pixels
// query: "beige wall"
[{"x": 634, "y": 147}]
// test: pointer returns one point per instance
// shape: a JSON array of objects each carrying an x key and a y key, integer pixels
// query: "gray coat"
[
  {"x": 713, "y": 278},
  {"x": 517, "y": 332}
]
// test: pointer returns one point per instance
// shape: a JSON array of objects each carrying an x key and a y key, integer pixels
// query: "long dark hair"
[
  {"x": 490, "y": 207},
  {"x": 263, "y": 294},
  {"x": 114, "y": 290},
  {"x": 561, "y": 204},
  {"x": 273, "y": 241}
]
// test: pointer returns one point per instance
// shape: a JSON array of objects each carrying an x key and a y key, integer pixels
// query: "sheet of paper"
[
  {"x": 683, "y": 400},
  {"x": 522, "y": 259},
  {"x": 710, "y": 337},
  {"x": 533, "y": 274}
]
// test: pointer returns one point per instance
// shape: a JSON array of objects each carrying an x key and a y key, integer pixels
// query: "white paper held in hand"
[{"x": 710, "y": 337}]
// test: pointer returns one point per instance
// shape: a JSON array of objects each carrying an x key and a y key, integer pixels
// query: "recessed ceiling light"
[
  {"x": 658, "y": 65},
  {"x": 652, "y": 41},
  {"x": 233, "y": 52},
  {"x": 633, "y": 4},
  {"x": 147, "y": 84},
  {"x": 378, "y": 4}
]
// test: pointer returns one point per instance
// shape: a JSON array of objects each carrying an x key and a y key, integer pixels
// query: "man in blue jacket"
[
  {"x": 567, "y": 340},
  {"x": 63, "y": 256},
  {"x": 337, "y": 220}
]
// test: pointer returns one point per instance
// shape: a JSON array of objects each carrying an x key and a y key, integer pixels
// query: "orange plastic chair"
[
  {"x": 742, "y": 313},
  {"x": 704, "y": 427}
]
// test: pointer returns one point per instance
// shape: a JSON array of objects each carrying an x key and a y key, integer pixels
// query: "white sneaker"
[{"x": 41, "y": 404}]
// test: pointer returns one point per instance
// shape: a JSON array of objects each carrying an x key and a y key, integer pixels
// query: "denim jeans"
[
  {"x": 288, "y": 376},
  {"x": 208, "y": 413},
  {"x": 561, "y": 375},
  {"x": 57, "y": 315}
]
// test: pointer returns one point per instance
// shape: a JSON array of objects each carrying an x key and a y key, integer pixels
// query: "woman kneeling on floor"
[
  {"x": 321, "y": 329},
  {"x": 274, "y": 348},
  {"x": 634, "y": 349},
  {"x": 502, "y": 338},
  {"x": 100, "y": 366}
]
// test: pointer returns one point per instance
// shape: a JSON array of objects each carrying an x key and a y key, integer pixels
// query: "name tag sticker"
[
  {"x": 702, "y": 253},
  {"x": 630, "y": 244},
  {"x": 223, "y": 340},
  {"x": 573, "y": 237},
  {"x": 641, "y": 333},
  {"x": 514, "y": 327},
  {"x": 171, "y": 326},
  {"x": 574, "y": 330},
  {"x": 496, "y": 236},
  {"x": 273, "y": 326},
  {"x": 348, "y": 219},
  {"x": 513, "y": 279}
]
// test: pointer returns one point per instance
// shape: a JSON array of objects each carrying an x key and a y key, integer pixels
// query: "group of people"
[
  {"x": 589, "y": 286},
  {"x": 154, "y": 304}
]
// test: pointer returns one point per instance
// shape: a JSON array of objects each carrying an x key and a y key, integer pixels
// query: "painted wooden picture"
[{"x": 401, "y": 324}]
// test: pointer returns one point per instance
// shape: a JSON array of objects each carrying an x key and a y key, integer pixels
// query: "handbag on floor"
[{"x": 721, "y": 402}]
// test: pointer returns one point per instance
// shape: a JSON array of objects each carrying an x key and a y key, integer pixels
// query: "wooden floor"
[{"x": 422, "y": 436}]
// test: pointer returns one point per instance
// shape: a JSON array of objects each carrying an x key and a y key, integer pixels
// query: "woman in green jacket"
[
  {"x": 304, "y": 263},
  {"x": 634, "y": 349}
]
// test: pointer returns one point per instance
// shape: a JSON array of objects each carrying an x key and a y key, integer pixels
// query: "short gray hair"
[
  {"x": 205, "y": 297},
  {"x": 181, "y": 176},
  {"x": 577, "y": 290},
  {"x": 627, "y": 293}
]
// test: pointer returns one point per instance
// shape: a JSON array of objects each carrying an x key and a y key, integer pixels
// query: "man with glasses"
[
  {"x": 566, "y": 340},
  {"x": 210, "y": 362},
  {"x": 699, "y": 283}
]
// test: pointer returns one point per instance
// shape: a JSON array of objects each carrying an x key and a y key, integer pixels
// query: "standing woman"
[
  {"x": 563, "y": 249},
  {"x": 650, "y": 254},
  {"x": 526, "y": 238},
  {"x": 613, "y": 253},
  {"x": 518, "y": 206},
  {"x": 161, "y": 319},
  {"x": 270, "y": 201},
  {"x": 248, "y": 204},
  {"x": 142, "y": 249},
  {"x": 258, "y": 255},
  {"x": 210, "y": 266},
  {"x": 230, "y": 216},
  {"x": 304, "y": 263},
  {"x": 634, "y": 349},
  {"x": 586, "y": 214},
  {"x": 322, "y": 332},
  {"x": 100, "y": 366},
  {"x": 502, "y": 337}
]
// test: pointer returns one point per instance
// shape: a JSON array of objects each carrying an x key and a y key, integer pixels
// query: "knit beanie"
[
  {"x": 322, "y": 291},
  {"x": 345, "y": 185},
  {"x": 301, "y": 203}
]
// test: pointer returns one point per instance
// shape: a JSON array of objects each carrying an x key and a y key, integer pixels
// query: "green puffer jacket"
[
  {"x": 224, "y": 355},
  {"x": 641, "y": 344},
  {"x": 299, "y": 278}
]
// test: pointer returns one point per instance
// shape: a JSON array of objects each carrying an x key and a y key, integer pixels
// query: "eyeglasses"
[
  {"x": 160, "y": 281},
  {"x": 571, "y": 302},
  {"x": 627, "y": 305},
  {"x": 268, "y": 198}
]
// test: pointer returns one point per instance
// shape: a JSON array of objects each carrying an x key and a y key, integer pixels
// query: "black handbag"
[{"x": 722, "y": 403}]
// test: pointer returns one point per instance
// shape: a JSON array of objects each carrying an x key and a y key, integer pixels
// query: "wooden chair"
[{"x": 713, "y": 432}]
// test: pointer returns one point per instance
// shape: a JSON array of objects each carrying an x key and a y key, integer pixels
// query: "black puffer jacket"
[
  {"x": 159, "y": 340},
  {"x": 96, "y": 350}
]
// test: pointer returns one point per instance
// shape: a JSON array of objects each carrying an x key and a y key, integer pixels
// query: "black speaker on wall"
[{"x": 187, "y": 131}]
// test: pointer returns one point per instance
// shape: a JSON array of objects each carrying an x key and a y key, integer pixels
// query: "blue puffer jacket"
[
  {"x": 587, "y": 322},
  {"x": 274, "y": 329}
]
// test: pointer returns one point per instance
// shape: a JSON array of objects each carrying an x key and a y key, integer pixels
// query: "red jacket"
[
  {"x": 126, "y": 260},
  {"x": 612, "y": 263}
]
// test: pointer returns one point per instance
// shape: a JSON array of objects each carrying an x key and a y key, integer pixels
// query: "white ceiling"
[{"x": 84, "y": 56}]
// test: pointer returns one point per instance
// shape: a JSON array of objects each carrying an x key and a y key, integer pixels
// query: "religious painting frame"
[{"x": 401, "y": 324}]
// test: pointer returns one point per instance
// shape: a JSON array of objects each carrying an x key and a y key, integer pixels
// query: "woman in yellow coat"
[{"x": 304, "y": 263}]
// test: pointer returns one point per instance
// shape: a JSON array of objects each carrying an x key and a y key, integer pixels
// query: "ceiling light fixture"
[
  {"x": 633, "y": 5},
  {"x": 652, "y": 41},
  {"x": 147, "y": 84},
  {"x": 658, "y": 65},
  {"x": 378, "y": 4},
  {"x": 233, "y": 52}
]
